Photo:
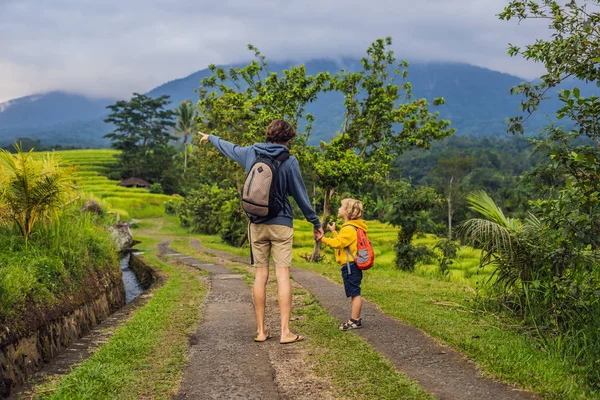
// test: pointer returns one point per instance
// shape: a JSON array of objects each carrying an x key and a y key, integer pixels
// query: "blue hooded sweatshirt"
[{"x": 290, "y": 178}]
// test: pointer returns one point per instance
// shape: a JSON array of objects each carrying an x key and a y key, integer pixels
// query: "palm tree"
[
  {"x": 503, "y": 240},
  {"x": 32, "y": 189},
  {"x": 185, "y": 125}
]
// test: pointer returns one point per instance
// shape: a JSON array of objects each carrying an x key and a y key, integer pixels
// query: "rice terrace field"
[{"x": 92, "y": 168}]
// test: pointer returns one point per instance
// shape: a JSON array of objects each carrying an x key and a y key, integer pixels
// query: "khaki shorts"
[{"x": 275, "y": 240}]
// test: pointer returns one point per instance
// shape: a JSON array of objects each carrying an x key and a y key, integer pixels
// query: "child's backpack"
[
  {"x": 261, "y": 198},
  {"x": 365, "y": 257}
]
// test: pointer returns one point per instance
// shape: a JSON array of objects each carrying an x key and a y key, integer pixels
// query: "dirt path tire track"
[{"x": 439, "y": 369}]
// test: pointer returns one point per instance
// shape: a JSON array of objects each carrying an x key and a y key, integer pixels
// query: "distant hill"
[{"x": 478, "y": 102}]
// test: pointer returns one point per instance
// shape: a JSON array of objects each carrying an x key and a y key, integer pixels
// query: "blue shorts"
[{"x": 352, "y": 281}]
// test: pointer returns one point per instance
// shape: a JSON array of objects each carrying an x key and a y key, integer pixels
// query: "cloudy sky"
[{"x": 114, "y": 47}]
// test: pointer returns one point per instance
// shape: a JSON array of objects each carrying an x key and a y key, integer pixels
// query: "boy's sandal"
[
  {"x": 298, "y": 338},
  {"x": 351, "y": 324}
]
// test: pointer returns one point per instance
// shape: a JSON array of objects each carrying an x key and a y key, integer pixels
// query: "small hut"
[{"x": 135, "y": 182}]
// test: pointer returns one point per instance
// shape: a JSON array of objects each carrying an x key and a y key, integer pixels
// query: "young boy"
[{"x": 345, "y": 242}]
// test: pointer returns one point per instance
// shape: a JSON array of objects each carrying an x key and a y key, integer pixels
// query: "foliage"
[
  {"x": 142, "y": 127},
  {"x": 497, "y": 168},
  {"x": 541, "y": 276},
  {"x": 380, "y": 122},
  {"x": 32, "y": 190},
  {"x": 55, "y": 259},
  {"x": 115, "y": 176},
  {"x": 171, "y": 206},
  {"x": 234, "y": 223},
  {"x": 199, "y": 211},
  {"x": 186, "y": 121},
  {"x": 564, "y": 250},
  {"x": 212, "y": 210},
  {"x": 156, "y": 188},
  {"x": 409, "y": 210},
  {"x": 449, "y": 250}
]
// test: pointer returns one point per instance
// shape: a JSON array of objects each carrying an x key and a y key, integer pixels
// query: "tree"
[
  {"x": 142, "y": 133},
  {"x": 239, "y": 103},
  {"x": 409, "y": 210},
  {"x": 185, "y": 125},
  {"x": 380, "y": 122},
  {"x": 452, "y": 170},
  {"x": 571, "y": 52},
  {"x": 32, "y": 189}
]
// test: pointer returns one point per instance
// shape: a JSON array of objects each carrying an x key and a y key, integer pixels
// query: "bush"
[
  {"x": 449, "y": 249},
  {"x": 54, "y": 261},
  {"x": 156, "y": 188},
  {"x": 408, "y": 256},
  {"x": 199, "y": 211},
  {"x": 115, "y": 176},
  {"x": 234, "y": 223},
  {"x": 171, "y": 206},
  {"x": 212, "y": 210}
]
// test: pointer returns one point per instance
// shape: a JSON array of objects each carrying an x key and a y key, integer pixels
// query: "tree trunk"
[
  {"x": 317, "y": 248},
  {"x": 184, "y": 153},
  {"x": 450, "y": 210}
]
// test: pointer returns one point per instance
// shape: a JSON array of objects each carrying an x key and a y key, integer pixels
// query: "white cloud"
[{"x": 115, "y": 47}]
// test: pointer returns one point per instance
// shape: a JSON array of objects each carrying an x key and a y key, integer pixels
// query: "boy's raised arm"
[{"x": 343, "y": 239}]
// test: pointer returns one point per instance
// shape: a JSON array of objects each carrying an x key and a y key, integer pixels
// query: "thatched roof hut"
[{"x": 135, "y": 182}]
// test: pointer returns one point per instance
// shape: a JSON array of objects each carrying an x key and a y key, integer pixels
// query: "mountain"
[
  {"x": 478, "y": 101},
  {"x": 55, "y": 117}
]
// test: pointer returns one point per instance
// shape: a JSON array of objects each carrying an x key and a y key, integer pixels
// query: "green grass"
[
  {"x": 447, "y": 310},
  {"x": 92, "y": 165},
  {"x": 339, "y": 356},
  {"x": 54, "y": 262},
  {"x": 146, "y": 356}
]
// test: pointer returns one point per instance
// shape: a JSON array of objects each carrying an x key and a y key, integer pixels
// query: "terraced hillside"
[{"x": 93, "y": 166}]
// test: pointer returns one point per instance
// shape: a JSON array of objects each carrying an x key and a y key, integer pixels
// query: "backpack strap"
[
  {"x": 283, "y": 156},
  {"x": 349, "y": 254}
]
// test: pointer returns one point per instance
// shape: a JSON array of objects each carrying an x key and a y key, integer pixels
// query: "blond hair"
[{"x": 353, "y": 207}]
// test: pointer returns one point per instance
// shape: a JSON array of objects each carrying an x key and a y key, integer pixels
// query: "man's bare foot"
[
  {"x": 261, "y": 337},
  {"x": 290, "y": 338}
]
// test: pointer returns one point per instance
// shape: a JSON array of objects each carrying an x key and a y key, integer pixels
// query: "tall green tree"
[
  {"x": 409, "y": 210},
  {"x": 186, "y": 121},
  {"x": 380, "y": 122},
  {"x": 572, "y": 52},
  {"x": 239, "y": 103},
  {"x": 452, "y": 171},
  {"x": 143, "y": 127}
]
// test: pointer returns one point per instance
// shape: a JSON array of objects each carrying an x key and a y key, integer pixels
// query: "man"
[{"x": 273, "y": 236}]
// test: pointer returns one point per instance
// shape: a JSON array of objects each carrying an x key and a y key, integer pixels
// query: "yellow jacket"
[{"x": 345, "y": 238}]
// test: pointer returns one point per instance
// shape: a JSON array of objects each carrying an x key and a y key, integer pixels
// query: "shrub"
[
  {"x": 115, "y": 176},
  {"x": 171, "y": 206},
  {"x": 234, "y": 223},
  {"x": 199, "y": 211},
  {"x": 408, "y": 256},
  {"x": 55, "y": 259},
  {"x": 156, "y": 188}
]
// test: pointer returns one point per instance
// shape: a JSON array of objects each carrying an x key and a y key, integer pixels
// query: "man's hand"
[
  {"x": 332, "y": 227},
  {"x": 203, "y": 138},
  {"x": 318, "y": 233}
]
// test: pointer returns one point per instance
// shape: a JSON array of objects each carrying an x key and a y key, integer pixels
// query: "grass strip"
[{"x": 146, "y": 356}]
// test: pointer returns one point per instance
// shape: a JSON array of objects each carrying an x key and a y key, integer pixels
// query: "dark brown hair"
[{"x": 280, "y": 131}]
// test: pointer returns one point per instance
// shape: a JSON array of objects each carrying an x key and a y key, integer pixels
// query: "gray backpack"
[{"x": 261, "y": 199}]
